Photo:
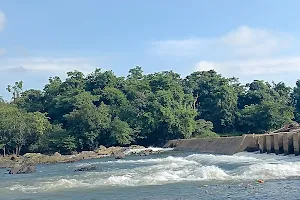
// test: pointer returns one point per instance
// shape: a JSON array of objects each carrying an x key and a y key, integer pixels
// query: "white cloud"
[
  {"x": 49, "y": 65},
  {"x": 2, "y": 21},
  {"x": 243, "y": 51},
  {"x": 246, "y": 41},
  {"x": 270, "y": 66},
  {"x": 243, "y": 41},
  {"x": 206, "y": 66}
]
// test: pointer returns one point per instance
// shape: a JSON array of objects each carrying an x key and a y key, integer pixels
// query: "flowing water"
[{"x": 170, "y": 175}]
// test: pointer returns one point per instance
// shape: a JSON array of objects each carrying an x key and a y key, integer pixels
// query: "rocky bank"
[{"x": 27, "y": 162}]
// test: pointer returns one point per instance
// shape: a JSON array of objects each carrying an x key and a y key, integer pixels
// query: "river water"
[{"x": 167, "y": 176}]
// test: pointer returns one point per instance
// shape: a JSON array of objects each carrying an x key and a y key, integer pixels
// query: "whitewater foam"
[
  {"x": 154, "y": 149},
  {"x": 46, "y": 186},
  {"x": 172, "y": 169}
]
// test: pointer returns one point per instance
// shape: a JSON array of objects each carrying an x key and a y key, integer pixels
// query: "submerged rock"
[
  {"x": 22, "y": 169},
  {"x": 86, "y": 168},
  {"x": 145, "y": 153}
]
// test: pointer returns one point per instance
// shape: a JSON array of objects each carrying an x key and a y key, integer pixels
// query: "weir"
[{"x": 283, "y": 141}]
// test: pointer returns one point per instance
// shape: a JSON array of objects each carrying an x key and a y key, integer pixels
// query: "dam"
[{"x": 282, "y": 141}]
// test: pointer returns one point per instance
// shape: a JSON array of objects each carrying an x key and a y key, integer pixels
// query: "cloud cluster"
[
  {"x": 254, "y": 66},
  {"x": 243, "y": 41},
  {"x": 50, "y": 65},
  {"x": 242, "y": 51}
]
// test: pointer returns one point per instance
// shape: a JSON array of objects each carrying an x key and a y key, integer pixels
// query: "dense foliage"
[{"x": 83, "y": 112}]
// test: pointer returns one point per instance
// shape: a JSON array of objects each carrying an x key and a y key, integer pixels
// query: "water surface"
[{"x": 170, "y": 175}]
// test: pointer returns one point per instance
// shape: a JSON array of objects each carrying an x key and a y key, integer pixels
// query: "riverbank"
[{"x": 10, "y": 161}]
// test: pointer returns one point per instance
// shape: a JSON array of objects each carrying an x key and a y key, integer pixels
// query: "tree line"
[{"x": 83, "y": 112}]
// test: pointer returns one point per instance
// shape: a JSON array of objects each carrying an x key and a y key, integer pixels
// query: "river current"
[{"x": 167, "y": 176}]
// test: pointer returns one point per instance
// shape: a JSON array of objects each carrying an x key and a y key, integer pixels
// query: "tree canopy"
[{"x": 100, "y": 108}]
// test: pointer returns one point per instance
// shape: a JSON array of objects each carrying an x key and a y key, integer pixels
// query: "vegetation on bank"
[{"x": 83, "y": 112}]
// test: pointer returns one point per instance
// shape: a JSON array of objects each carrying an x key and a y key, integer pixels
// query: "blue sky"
[{"x": 249, "y": 39}]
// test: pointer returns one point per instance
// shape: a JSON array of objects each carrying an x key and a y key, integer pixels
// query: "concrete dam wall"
[
  {"x": 275, "y": 142},
  {"x": 222, "y": 145}
]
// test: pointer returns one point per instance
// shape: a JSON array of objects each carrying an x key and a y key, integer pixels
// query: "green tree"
[
  {"x": 120, "y": 133},
  {"x": 15, "y": 90},
  {"x": 295, "y": 98},
  {"x": 215, "y": 98},
  {"x": 87, "y": 122},
  {"x": 264, "y": 117},
  {"x": 98, "y": 80},
  {"x": 59, "y": 96},
  {"x": 204, "y": 129},
  {"x": 31, "y": 101},
  {"x": 264, "y": 107}
]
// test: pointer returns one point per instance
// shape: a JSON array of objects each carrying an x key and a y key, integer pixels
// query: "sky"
[{"x": 247, "y": 39}]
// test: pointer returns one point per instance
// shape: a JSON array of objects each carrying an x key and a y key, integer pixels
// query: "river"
[{"x": 167, "y": 176}]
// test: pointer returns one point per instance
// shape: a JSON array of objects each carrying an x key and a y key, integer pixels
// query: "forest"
[{"x": 82, "y": 112}]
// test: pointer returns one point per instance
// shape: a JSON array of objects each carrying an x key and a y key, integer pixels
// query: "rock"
[
  {"x": 117, "y": 149},
  {"x": 101, "y": 148},
  {"x": 88, "y": 152},
  {"x": 145, "y": 153},
  {"x": 22, "y": 169},
  {"x": 31, "y": 155},
  {"x": 86, "y": 168},
  {"x": 119, "y": 155},
  {"x": 57, "y": 154}
]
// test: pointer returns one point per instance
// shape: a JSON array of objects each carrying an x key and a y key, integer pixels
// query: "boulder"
[
  {"x": 32, "y": 155},
  {"x": 116, "y": 149},
  {"x": 57, "y": 154},
  {"x": 86, "y": 168},
  {"x": 88, "y": 152},
  {"x": 146, "y": 152},
  {"x": 101, "y": 148},
  {"x": 119, "y": 155},
  {"x": 22, "y": 169}
]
